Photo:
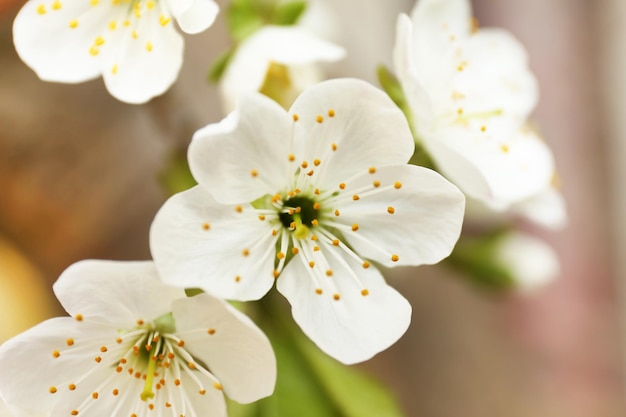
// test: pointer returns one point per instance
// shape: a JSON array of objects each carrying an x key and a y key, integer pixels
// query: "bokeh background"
[{"x": 79, "y": 178}]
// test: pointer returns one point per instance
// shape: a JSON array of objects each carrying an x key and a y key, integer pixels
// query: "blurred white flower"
[
  {"x": 132, "y": 347},
  {"x": 280, "y": 61},
  {"x": 470, "y": 92},
  {"x": 132, "y": 43},
  {"x": 531, "y": 262},
  {"x": 4, "y": 411},
  {"x": 546, "y": 209},
  {"x": 318, "y": 190}
]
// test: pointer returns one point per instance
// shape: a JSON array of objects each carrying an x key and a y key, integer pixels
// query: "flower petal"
[
  {"x": 43, "y": 349},
  {"x": 497, "y": 170},
  {"x": 55, "y": 38},
  {"x": 143, "y": 62},
  {"x": 546, "y": 208},
  {"x": 197, "y": 16},
  {"x": 350, "y": 125},
  {"x": 413, "y": 217},
  {"x": 197, "y": 242},
  {"x": 290, "y": 46},
  {"x": 119, "y": 293},
  {"x": 231, "y": 346},
  {"x": 354, "y": 316},
  {"x": 246, "y": 156}
]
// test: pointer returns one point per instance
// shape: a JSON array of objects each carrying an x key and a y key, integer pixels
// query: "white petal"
[
  {"x": 531, "y": 261},
  {"x": 29, "y": 368},
  {"x": 114, "y": 292},
  {"x": 354, "y": 327},
  {"x": 235, "y": 350},
  {"x": 419, "y": 222},
  {"x": 140, "y": 68},
  {"x": 246, "y": 156},
  {"x": 46, "y": 42},
  {"x": 197, "y": 16},
  {"x": 497, "y": 170},
  {"x": 291, "y": 46},
  {"x": 546, "y": 208},
  {"x": 360, "y": 121},
  {"x": 197, "y": 242}
]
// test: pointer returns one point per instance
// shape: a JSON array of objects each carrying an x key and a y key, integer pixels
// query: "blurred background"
[{"x": 79, "y": 178}]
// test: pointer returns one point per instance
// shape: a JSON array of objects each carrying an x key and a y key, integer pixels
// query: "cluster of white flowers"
[{"x": 310, "y": 199}]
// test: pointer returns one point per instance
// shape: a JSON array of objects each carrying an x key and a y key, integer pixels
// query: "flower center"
[{"x": 299, "y": 209}]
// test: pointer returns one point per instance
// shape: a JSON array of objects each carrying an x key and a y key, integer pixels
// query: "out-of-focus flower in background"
[
  {"x": 319, "y": 190},
  {"x": 132, "y": 44},
  {"x": 132, "y": 345},
  {"x": 470, "y": 93}
]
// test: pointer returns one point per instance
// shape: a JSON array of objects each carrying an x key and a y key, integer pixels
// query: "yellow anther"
[
  {"x": 274, "y": 232},
  {"x": 78, "y": 317},
  {"x": 318, "y": 291},
  {"x": 56, "y": 5},
  {"x": 150, "y": 5},
  {"x": 304, "y": 164},
  {"x": 310, "y": 173},
  {"x": 238, "y": 209},
  {"x": 331, "y": 113},
  {"x": 94, "y": 51},
  {"x": 261, "y": 217},
  {"x": 211, "y": 332},
  {"x": 114, "y": 69},
  {"x": 483, "y": 128},
  {"x": 292, "y": 157},
  {"x": 52, "y": 390},
  {"x": 56, "y": 354},
  {"x": 149, "y": 46},
  {"x": 71, "y": 387},
  {"x": 371, "y": 170},
  {"x": 315, "y": 222},
  {"x": 355, "y": 227},
  {"x": 69, "y": 342},
  {"x": 94, "y": 395},
  {"x": 254, "y": 173},
  {"x": 336, "y": 297},
  {"x": 237, "y": 278},
  {"x": 94, "y": 2},
  {"x": 245, "y": 252},
  {"x": 276, "y": 273},
  {"x": 74, "y": 412},
  {"x": 126, "y": 23},
  {"x": 134, "y": 34},
  {"x": 99, "y": 41},
  {"x": 364, "y": 292},
  {"x": 329, "y": 272},
  {"x": 217, "y": 386},
  {"x": 317, "y": 191},
  {"x": 391, "y": 210},
  {"x": 397, "y": 185},
  {"x": 356, "y": 197},
  {"x": 319, "y": 119},
  {"x": 295, "y": 117},
  {"x": 316, "y": 248},
  {"x": 337, "y": 213},
  {"x": 366, "y": 265},
  {"x": 504, "y": 148},
  {"x": 295, "y": 251},
  {"x": 206, "y": 226},
  {"x": 41, "y": 9},
  {"x": 280, "y": 255},
  {"x": 316, "y": 206},
  {"x": 333, "y": 146},
  {"x": 316, "y": 162},
  {"x": 73, "y": 24},
  {"x": 336, "y": 242},
  {"x": 112, "y": 25},
  {"x": 395, "y": 258},
  {"x": 311, "y": 264},
  {"x": 342, "y": 186}
]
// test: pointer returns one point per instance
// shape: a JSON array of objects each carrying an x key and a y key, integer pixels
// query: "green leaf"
[
  {"x": 219, "y": 65},
  {"x": 243, "y": 19},
  {"x": 288, "y": 13},
  {"x": 353, "y": 392}
]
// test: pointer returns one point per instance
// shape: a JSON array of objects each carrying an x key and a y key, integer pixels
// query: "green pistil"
[
  {"x": 147, "y": 388},
  {"x": 301, "y": 231}
]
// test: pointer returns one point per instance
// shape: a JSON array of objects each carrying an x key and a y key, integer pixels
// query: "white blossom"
[
  {"x": 471, "y": 92},
  {"x": 134, "y": 346},
  {"x": 310, "y": 196},
  {"x": 133, "y": 44}
]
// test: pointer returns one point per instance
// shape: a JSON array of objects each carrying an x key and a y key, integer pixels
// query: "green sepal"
[
  {"x": 216, "y": 71},
  {"x": 176, "y": 176},
  {"x": 477, "y": 258},
  {"x": 244, "y": 17}
]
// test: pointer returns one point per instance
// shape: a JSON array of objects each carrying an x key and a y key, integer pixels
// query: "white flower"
[
  {"x": 319, "y": 191},
  {"x": 470, "y": 91},
  {"x": 132, "y": 43},
  {"x": 4, "y": 411},
  {"x": 531, "y": 262},
  {"x": 134, "y": 347},
  {"x": 286, "y": 55},
  {"x": 546, "y": 209}
]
